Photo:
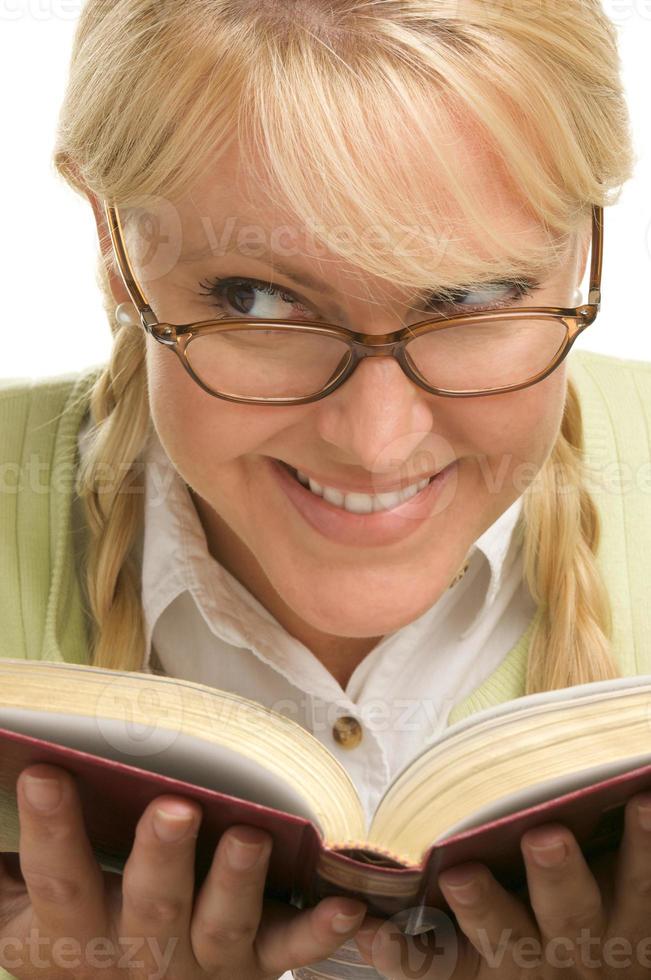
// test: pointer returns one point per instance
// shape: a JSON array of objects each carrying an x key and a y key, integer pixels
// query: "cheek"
[
  {"x": 516, "y": 432},
  {"x": 201, "y": 433},
  {"x": 540, "y": 414}
]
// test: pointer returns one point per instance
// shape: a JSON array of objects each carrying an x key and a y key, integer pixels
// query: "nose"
[{"x": 378, "y": 418}]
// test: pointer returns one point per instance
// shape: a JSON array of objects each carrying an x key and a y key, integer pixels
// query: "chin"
[
  {"x": 363, "y": 611},
  {"x": 359, "y": 626}
]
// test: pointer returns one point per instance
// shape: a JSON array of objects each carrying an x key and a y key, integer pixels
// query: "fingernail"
[
  {"x": 549, "y": 851},
  {"x": 43, "y": 794},
  {"x": 463, "y": 885},
  {"x": 173, "y": 822},
  {"x": 243, "y": 856},
  {"x": 344, "y": 923}
]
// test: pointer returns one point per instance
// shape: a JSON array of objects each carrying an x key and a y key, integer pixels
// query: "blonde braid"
[
  {"x": 111, "y": 486},
  {"x": 572, "y": 641}
]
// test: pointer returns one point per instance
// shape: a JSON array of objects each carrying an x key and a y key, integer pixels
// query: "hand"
[
  {"x": 68, "y": 919},
  {"x": 578, "y": 921}
]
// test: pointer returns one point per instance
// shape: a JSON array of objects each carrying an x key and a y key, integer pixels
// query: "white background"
[{"x": 53, "y": 321}]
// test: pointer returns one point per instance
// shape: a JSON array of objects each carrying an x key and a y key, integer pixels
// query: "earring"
[
  {"x": 126, "y": 315},
  {"x": 577, "y": 299}
]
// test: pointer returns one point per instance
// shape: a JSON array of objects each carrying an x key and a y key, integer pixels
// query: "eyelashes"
[{"x": 220, "y": 290}]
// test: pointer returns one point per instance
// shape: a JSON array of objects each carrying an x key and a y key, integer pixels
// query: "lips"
[{"x": 379, "y": 529}]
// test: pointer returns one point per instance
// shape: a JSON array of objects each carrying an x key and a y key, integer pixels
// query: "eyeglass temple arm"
[
  {"x": 138, "y": 297},
  {"x": 596, "y": 266},
  {"x": 126, "y": 271}
]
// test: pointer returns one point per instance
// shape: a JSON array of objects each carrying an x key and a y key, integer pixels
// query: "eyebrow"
[{"x": 296, "y": 275}]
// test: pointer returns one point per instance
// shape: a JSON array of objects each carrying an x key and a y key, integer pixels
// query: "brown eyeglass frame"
[{"x": 177, "y": 336}]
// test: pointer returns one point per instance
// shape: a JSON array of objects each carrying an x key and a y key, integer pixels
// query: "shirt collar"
[{"x": 496, "y": 546}]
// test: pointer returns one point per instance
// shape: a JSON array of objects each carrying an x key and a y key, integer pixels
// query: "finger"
[
  {"x": 289, "y": 938},
  {"x": 234, "y": 928},
  {"x": 62, "y": 876},
  {"x": 632, "y": 890},
  {"x": 563, "y": 893},
  {"x": 229, "y": 905},
  {"x": 158, "y": 876},
  {"x": 490, "y": 917},
  {"x": 432, "y": 955}
]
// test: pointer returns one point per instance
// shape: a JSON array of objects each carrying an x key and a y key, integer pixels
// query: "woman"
[{"x": 371, "y": 167}]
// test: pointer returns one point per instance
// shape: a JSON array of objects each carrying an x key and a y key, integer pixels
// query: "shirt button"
[{"x": 347, "y": 732}]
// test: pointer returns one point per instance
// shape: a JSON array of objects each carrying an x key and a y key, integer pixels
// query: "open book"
[{"x": 574, "y": 755}]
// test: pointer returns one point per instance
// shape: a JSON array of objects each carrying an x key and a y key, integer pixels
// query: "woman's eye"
[
  {"x": 254, "y": 298},
  {"x": 488, "y": 296}
]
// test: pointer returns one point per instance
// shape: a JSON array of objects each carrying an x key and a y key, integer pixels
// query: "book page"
[
  {"x": 541, "y": 792},
  {"x": 574, "y": 693},
  {"x": 160, "y": 750},
  {"x": 286, "y": 758},
  {"x": 528, "y": 701}
]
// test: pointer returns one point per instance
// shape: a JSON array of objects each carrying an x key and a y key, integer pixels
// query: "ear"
[{"x": 118, "y": 289}]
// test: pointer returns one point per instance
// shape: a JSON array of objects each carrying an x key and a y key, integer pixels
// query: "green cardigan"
[{"x": 41, "y": 612}]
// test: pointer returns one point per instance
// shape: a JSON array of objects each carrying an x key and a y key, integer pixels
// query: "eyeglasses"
[{"x": 291, "y": 362}]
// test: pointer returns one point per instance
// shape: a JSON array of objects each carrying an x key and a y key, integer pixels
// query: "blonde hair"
[{"x": 333, "y": 96}]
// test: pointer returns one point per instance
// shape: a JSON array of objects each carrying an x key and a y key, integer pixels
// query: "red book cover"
[{"x": 302, "y": 868}]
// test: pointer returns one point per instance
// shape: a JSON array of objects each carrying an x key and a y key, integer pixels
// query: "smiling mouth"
[{"x": 357, "y": 502}]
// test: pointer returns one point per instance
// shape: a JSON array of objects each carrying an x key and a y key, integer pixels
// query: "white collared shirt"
[{"x": 207, "y": 627}]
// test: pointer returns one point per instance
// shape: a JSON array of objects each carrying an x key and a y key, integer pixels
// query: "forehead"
[
  {"x": 236, "y": 208},
  {"x": 235, "y": 200}
]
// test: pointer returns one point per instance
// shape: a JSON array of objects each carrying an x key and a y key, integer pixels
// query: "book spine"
[
  {"x": 389, "y": 889},
  {"x": 386, "y": 886}
]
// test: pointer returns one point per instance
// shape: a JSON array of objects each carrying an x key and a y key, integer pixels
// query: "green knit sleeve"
[
  {"x": 26, "y": 452},
  {"x": 40, "y": 605},
  {"x": 616, "y": 403}
]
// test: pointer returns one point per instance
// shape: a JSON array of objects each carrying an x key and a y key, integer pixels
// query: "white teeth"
[
  {"x": 361, "y": 503},
  {"x": 409, "y": 492},
  {"x": 334, "y": 496},
  {"x": 385, "y": 501}
]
